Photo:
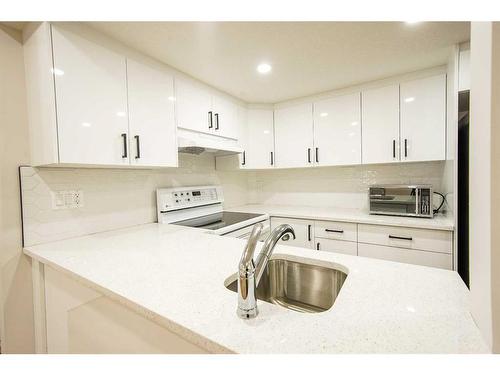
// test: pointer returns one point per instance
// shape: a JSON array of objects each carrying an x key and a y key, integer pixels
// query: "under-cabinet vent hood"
[{"x": 191, "y": 142}]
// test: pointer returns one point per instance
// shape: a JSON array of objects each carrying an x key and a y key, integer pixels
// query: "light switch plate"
[{"x": 65, "y": 199}]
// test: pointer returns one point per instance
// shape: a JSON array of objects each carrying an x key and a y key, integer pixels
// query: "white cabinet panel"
[
  {"x": 304, "y": 231},
  {"x": 151, "y": 116},
  {"x": 194, "y": 107},
  {"x": 396, "y": 254},
  {"x": 293, "y": 130},
  {"x": 91, "y": 97},
  {"x": 225, "y": 119},
  {"x": 337, "y": 130},
  {"x": 337, "y": 246},
  {"x": 423, "y": 119},
  {"x": 380, "y": 125},
  {"x": 411, "y": 238},
  {"x": 464, "y": 70},
  {"x": 336, "y": 230},
  {"x": 259, "y": 148}
]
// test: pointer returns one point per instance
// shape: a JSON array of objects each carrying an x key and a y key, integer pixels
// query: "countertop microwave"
[{"x": 401, "y": 200}]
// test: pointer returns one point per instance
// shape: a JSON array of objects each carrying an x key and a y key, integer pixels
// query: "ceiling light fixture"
[{"x": 264, "y": 68}]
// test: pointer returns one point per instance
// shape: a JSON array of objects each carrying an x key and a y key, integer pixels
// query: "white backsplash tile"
[
  {"x": 344, "y": 187},
  {"x": 113, "y": 198},
  {"x": 116, "y": 198}
]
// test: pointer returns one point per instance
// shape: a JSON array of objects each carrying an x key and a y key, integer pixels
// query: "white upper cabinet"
[
  {"x": 91, "y": 97},
  {"x": 337, "y": 130},
  {"x": 259, "y": 145},
  {"x": 225, "y": 119},
  {"x": 380, "y": 125},
  {"x": 200, "y": 110},
  {"x": 423, "y": 119},
  {"x": 152, "y": 140},
  {"x": 293, "y": 129},
  {"x": 194, "y": 107}
]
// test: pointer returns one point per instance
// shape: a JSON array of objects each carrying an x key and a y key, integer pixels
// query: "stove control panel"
[{"x": 176, "y": 198}]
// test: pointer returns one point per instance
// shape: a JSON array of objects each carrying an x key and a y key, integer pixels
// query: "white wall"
[
  {"x": 344, "y": 187},
  {"x": 484, "y": 180},
  {"x": 16, "y": 311}
]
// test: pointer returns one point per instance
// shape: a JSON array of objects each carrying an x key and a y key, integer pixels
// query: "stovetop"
[{"x": 218, "y": 220}]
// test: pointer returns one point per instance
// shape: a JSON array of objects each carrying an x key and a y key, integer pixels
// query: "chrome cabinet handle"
[
  {"x": 216, "y": 121},
  {"x": 334, "y": 230},
  {"x": 125, "y": 152},
  {"x": 400, "y": 238},
  {"x": 138, "y": 150},
  {"x": 210, "y": 123}
]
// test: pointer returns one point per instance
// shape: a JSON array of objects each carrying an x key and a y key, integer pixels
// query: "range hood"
[{"x": 191, "y": 142}]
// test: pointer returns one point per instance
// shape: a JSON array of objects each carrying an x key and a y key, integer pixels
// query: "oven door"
[{"x": 397, "y": 200}]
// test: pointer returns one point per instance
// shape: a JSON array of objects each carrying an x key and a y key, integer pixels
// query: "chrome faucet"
[{"x": 250, "y": 272}]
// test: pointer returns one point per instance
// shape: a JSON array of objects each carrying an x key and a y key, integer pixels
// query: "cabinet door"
[
  {"x": 337, "y": 246},
  {"x": 337, "y": 130},
  {"x": 91, "y": 98},
  {"x": 304, "y": 231},
  {"x": 380, "y": 108},
  {"x": 397, "y": 254},
  {"x": 151, "y": 116},
  {"x": 194, "y": 107},
  {"x": 259, "y": 150},
  {"x": 423, "y": 119},
  {"x": 293, "y": 131},
  {"x": 225, "y": 119}
]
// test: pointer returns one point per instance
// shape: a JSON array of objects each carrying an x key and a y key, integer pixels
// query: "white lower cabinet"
[
  {"x": 404, "y": 255},
  {"x": 424, "y": 247},
  {"x": 410, "y": 238},
  {"x": 336, "y": 246},
  {"x": 304, "y": 231}
]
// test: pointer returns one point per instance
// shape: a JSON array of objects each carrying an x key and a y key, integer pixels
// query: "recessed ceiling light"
[{"x": 264, "y": 68}]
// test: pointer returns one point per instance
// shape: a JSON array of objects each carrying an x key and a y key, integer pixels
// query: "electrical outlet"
[{"x": 65, "y": 199}]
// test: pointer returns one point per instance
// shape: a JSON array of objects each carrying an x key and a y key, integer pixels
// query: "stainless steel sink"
[{"x": 298, "y": 286}]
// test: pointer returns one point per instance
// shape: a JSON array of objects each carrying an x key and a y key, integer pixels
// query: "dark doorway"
[{"x": 463, "y": 187}]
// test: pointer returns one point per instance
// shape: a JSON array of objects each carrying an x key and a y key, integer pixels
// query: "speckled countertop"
[
  {"x": 439, "y": 222},
  {"x": 176, "y": 277}
]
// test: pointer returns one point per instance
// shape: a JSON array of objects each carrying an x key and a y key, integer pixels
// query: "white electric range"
[{"x": 201, "y": 207}]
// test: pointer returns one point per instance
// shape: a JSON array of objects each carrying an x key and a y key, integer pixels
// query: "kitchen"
[{"x": 187, "y": 208}]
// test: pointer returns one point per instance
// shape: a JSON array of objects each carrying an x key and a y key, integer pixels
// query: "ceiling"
[{"x": 306, "y": 57}]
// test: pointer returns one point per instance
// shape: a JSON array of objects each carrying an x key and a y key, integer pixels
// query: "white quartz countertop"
[
  {"x": 439, "y": 222},
  {"x": 176, "y": 277}
]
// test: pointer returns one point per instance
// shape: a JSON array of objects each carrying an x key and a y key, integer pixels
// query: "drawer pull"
[
  {"x": 400, "y": 238},
  {"x": 334, "y": 230}
]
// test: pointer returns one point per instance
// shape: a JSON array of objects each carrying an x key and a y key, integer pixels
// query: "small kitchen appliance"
[{"x": 401, "y": 200}]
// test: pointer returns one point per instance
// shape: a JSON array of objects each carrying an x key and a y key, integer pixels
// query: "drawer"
[
  {"x": 409, "y": 238},
  {"x": 336, "y": 230},
  {"x": 398, "y": 254},
  {"x": 337, "y": 246}
]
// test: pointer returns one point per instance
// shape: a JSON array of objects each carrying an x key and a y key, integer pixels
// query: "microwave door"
[{"x": 397, "y": 201}]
